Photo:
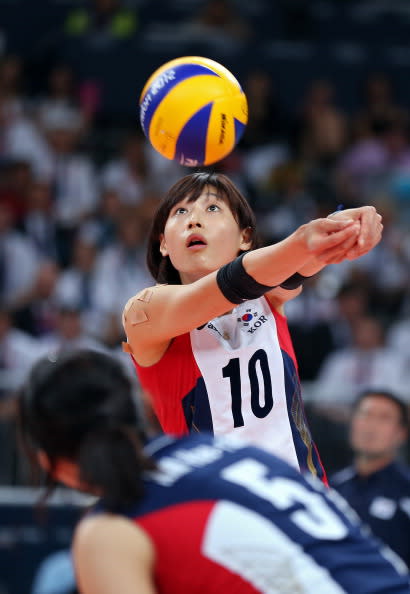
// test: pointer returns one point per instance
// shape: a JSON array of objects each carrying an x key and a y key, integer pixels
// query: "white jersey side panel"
[{"x": 241, "y": 363}]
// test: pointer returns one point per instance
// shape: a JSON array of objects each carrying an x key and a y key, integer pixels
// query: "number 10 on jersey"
[{"x": 261, "y": 404}]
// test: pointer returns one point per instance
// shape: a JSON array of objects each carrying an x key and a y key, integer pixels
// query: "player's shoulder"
[
  {"x": 342, "y": 476},
  {"x": 144, "y": 295},
  {"x": 111, "y": 546},
  {"x": 99, "y": 530},
  {"x": 137, "y": 303},
  {"x": 402, "y": 472},
  {"x": 94, "y": 529}
]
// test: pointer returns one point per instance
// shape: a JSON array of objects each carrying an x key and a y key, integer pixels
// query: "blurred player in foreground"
[{"x": 195, "y": 514}]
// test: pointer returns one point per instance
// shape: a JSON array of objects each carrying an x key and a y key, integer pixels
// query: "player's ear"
[
  {"x": 246, "y": 239},
  {"x": 64, "y": 471},
  {"x": 163, "y": 245}
]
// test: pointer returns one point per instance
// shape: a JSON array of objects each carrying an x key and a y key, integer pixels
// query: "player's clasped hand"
[
  {"x": 371, "y": 228},
  {"x": 329, "y": 239}
]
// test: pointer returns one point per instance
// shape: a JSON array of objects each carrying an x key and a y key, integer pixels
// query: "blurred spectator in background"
[
  {"x": 398, "y": 337},
  {"x": 267, "y": 121},
  {"x": 20, "y": 139},
  {"x": 131, "y": 175},
  {"x": 286, "y": 202},
  {"x": 372, "y": 163},
  {"x": 264, "y": 144},
  {"x": 18, "y": 260},
  {"x": 219, "y": 21},
  {"x": 77, "y": 284},
  {"x": 64, "y": 91},
  {"x": 260, "y": 161},
  {"x": 392, "y": 257},
  {"x": 69, "y": 333},
  {"x": 36, "y": 311},
  {"x": 322, "y": 125},
  {"x": 324, "y": 317},
  {"x": 11, "y": 83},
  {"x": 352, "y": 304},
  {"x": 379, "y": 106},
  {"x": 71, "y": 173},
  {"x": 377, "y": 485},
  {"x": 104, "y": 223},
  {"x": 60, "y": 91},
  {"x": 15, "y": 182},
  {"x": 39, "y": 223},
  {"x": 121, "y": 270},
  {"x": 368, "y": 362},
  {"x": 18, "y": 352}
]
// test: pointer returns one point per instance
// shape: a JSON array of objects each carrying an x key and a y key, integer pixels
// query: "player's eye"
[
  {"x": 213, "y": 207},
  {"x": 180, "y": 210}
]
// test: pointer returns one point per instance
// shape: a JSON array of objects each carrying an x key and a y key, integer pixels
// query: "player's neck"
[{"x": 366, "y": 465}]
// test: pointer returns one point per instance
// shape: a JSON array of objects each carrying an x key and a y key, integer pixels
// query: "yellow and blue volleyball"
[{"x": 193, "y": 110}]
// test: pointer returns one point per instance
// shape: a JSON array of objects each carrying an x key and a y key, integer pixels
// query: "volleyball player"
[
  {"x": 189, "y": 515},
  {"x": 210, "y": 342}
]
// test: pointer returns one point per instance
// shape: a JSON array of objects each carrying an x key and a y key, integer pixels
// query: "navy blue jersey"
[
  {"x": 382, "y": 500},
  {"x": 224, "y": 517}
]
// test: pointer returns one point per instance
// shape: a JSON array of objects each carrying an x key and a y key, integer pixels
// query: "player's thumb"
[{"x": 332, "y": 225}]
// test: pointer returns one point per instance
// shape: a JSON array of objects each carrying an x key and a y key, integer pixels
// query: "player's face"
[
  {"x": 201, "y": 236},
  {"x": 376, "y": 430}
]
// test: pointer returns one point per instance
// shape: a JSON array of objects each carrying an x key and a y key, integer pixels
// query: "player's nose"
[
  {"x": 194, "y": 219},
  {"x": 192, "y": 224}
]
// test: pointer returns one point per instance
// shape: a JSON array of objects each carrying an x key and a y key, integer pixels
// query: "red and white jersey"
[{"x": 237, "y": 374}]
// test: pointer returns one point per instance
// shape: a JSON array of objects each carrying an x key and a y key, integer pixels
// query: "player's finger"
[
  {"x": 370, "y": 221},
  {"x": 333, "y": 225},
  {"x": 323, "y": 241},
  {"x": 362, "y": 248},
  {"x": 337, "y": 253},
  {"x": 333, "y": 255}
]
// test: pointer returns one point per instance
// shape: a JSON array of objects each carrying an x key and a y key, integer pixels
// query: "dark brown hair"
[
  {"x": 81, "y": 408},
  {"x": 192, "y": 186}
]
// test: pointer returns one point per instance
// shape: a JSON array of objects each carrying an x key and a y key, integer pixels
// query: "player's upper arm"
[
  {"x": 112, "y": 555},
  {"x": 158, "y": 314}
]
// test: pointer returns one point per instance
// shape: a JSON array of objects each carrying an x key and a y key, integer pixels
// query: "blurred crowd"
[{"x": 74, "y": 219}]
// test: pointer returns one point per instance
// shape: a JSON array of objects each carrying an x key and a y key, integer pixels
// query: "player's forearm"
[
  {"x": 273, "y": 264},
  {"x": 311, "y": 267}
]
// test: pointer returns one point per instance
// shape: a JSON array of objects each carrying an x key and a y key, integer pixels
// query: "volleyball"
[{"x": 193, "y": 110}]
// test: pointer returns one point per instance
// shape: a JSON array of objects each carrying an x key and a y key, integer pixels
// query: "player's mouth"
[{"x": 196, "y": 242}]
